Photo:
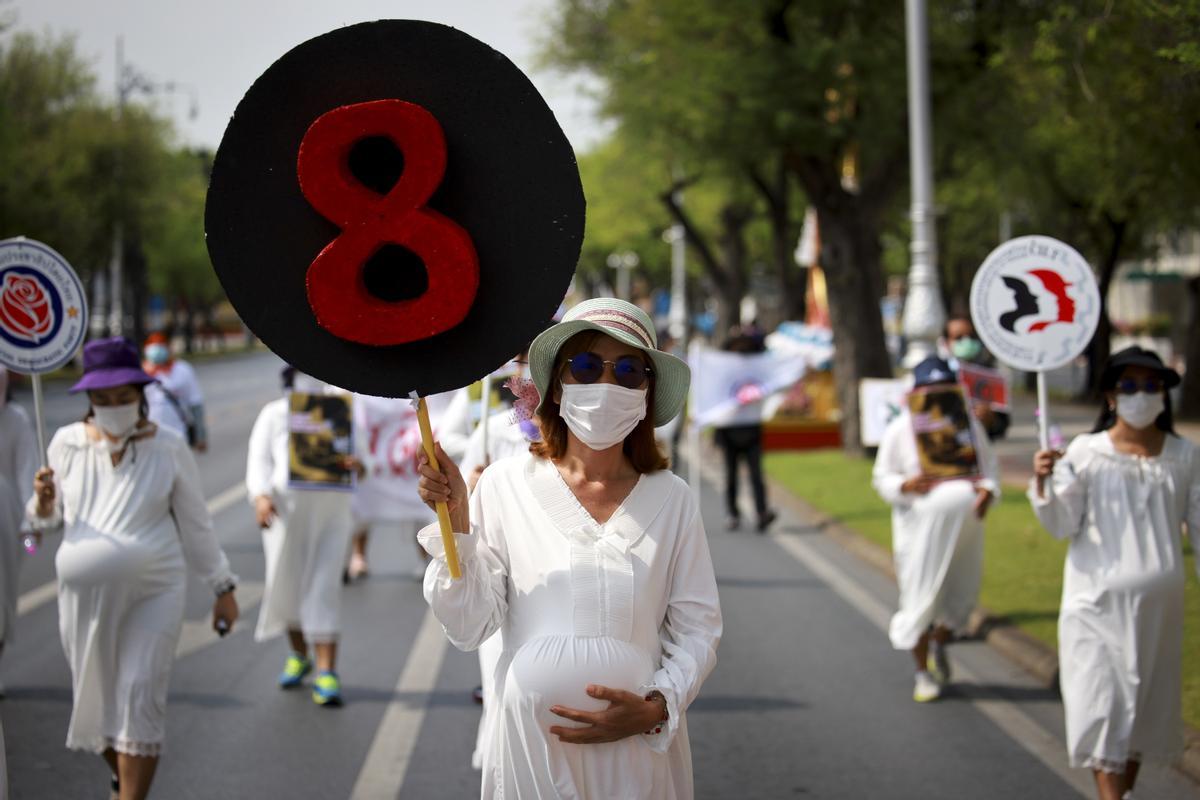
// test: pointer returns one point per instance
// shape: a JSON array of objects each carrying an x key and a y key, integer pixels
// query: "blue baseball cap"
[{"x": 933, "y": 370}]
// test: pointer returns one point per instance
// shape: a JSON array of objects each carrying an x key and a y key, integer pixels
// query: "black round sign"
[{"x": 426, "y": 231}]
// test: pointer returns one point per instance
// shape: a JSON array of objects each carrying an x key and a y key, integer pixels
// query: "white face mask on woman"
[
  {"x": 601, "y": 414},
  {"x": 117, "y": 421},
  {"x": 1139, "y": 410}
]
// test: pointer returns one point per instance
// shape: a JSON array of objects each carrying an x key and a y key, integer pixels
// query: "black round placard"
[{"x": 436, "y": 265}]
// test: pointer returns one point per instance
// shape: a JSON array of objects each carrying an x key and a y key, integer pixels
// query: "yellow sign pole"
[{"x": 443, "y": 511}]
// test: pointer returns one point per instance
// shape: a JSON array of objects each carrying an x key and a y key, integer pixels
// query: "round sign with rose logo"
[{"x": 43, "y": 310}]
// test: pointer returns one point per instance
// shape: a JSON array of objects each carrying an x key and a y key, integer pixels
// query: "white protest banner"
[
  {"x": 1035, "y": 305},
  {"x": 43, "y": 314},
  {"x": 880, "y": 400},
  {"x": 730, "y": 388},
  {"x": 392, "y": 441}
]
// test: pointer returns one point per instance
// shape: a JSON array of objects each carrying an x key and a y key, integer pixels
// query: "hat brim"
[
  {"x": 1170, "y": 377},
  {"x": 672, "y": 376},
  {"x": 111, "y": 378}
]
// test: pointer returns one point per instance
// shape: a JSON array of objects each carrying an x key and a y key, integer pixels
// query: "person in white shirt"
[
  {"x": 937, "y": 538},
  {"x": 591, "y": 558},
  {"x": 127, "y": 494},
  {"x": 18, "y": 462},
  {"x": 305, "y": 535},
  {"x": 176, "y": 399},
  {"x": 385, "y": 501},
  {"x": 1121, "y": 496}
]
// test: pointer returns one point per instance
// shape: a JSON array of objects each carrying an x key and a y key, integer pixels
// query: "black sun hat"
[{"x": 1136, "y": 357}]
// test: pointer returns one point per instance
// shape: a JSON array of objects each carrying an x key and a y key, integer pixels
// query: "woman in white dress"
[
  {"x": 937, "y": 538},
  {"x": 128, "y": 496},
  {"x": 1121, "y": 495},
  {"x": 305, "y": 536},
  {"x": 591, "y": 558}
]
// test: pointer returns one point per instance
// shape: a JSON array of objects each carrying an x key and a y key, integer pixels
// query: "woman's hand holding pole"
[
  {"x": 43, "y": 487},
  {"x": 444, "y": 485},
  {"x": 1043, "y": 467}
]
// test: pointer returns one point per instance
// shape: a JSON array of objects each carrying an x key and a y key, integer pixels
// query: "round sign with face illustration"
[
  {"x": 1034, "y": 303},
  {"x": 43, "y": 311}
]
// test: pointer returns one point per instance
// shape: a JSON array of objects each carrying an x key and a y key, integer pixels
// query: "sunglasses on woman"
[
  {"x": 1131, "y": 386},
  {"x": 628, "y": 371}
]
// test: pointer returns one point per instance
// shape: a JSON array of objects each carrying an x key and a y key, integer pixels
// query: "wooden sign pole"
[{"x": 443, "y": 511}]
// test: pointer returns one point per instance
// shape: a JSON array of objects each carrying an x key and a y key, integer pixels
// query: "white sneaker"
[{"x": 926, "y": 689}]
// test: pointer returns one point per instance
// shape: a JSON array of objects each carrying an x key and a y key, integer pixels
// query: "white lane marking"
[
  {"x": 40, "y": 595},
  {"x": 198, "y": 634},
  {"x": 1043, "y": 745},
  {"x": 386, "y": 764}
]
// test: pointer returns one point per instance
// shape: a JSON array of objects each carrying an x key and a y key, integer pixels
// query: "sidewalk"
[{"x": 1015, "y": 451}]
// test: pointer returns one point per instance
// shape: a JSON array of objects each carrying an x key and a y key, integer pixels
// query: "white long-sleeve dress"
[
  {"x": 1120, "y": 630},
  {"x": 630, "y": 604},
  {"x": 505, "y": 439},
  {"x": 130, "y": 532},
  {"x": 305, "y": 546},
  {"x": 18, "y": 463},
  {"x": 937, "y": 541}
]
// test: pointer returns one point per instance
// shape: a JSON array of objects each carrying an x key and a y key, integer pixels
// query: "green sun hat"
[{"x": 627, "y": 324}]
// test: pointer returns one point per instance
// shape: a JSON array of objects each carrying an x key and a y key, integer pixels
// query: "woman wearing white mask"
[
  {"x": 1121, "y": 495},
  {"x": 128, "y": 497},
  {"x": 591, "y": 558}
]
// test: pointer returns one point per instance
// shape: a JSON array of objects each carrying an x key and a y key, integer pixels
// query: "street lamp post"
[
  {"x": 924, "y": 315},
  {"x": 623, "y": 262},
  {"x": 128, "y": 82}
]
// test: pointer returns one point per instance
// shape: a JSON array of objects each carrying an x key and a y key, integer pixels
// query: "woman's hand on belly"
[{"x": 627, "y": 715}]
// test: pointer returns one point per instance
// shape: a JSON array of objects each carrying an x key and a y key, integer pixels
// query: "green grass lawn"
[{"x": 1022, "y": 569}]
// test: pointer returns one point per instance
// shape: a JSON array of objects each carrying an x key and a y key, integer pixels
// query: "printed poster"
[
  {"x": 319, "y": 441},
  {"x": 985, "y": 385},
  {"x": 941, "y": 420}
]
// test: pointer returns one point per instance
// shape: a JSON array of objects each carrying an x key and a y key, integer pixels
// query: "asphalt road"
[{"x": 808, "y": 699}]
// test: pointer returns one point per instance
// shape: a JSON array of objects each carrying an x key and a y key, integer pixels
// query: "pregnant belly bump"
[
  {"x": 98, "y": 558},
  {"x": 556, "y": 671}
]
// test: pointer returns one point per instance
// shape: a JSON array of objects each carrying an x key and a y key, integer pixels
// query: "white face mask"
[
  {"x": 601, "y": 414},
  {"x": 117, "y": 421},
  {"x": 1141, "y": 409}
]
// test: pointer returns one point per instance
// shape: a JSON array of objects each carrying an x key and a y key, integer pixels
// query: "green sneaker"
[
  {"x": 327, "y": 689},
  {"x": 294, "y": 670}
]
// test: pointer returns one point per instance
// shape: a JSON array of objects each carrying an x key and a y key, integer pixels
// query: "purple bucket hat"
[{"x": 108, "y": 363}]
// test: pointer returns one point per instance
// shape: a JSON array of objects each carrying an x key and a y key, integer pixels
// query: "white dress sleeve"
[
  {"x": 1062, "y": 508},
  {"x": 690, "y": 632},
  {"x": 201, "y": 550},
  {"x": 473, "y": 607},
  {"x": 260, "y": 467},
  {"x": 887, "y": 476}
]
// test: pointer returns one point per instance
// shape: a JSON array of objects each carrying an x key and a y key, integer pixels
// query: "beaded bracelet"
[{"x": 657, "y": 728}]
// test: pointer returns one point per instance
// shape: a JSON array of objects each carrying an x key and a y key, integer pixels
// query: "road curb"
[{"x": 1032, "y": 655}]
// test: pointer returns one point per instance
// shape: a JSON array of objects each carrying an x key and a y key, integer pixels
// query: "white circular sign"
[
  {"x": 43, "y": 311},
  {"x": 1034, "y": 303}
]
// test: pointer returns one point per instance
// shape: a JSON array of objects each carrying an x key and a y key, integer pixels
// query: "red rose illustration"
[{"x": 24, "y": 308}]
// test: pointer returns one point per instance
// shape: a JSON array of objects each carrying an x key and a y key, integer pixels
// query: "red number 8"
[{"x": 337, "y": 292}]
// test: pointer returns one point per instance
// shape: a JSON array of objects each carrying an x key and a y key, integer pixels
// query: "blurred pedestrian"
[
  {"x": 176, "y": 399},
  {"x": 743, "y": 442},
  {"x": 385, "y": 501},
  {"x": 1121, "y": 496},
  {"x": 128, "y": 494},
  {"x": 937, "y": 537},
  {"x": 965, "y": 347},
  {"x": 19, "y": 460},
  {"x": 591, "y": 557},
  {"x": 305, "y": 533}
]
